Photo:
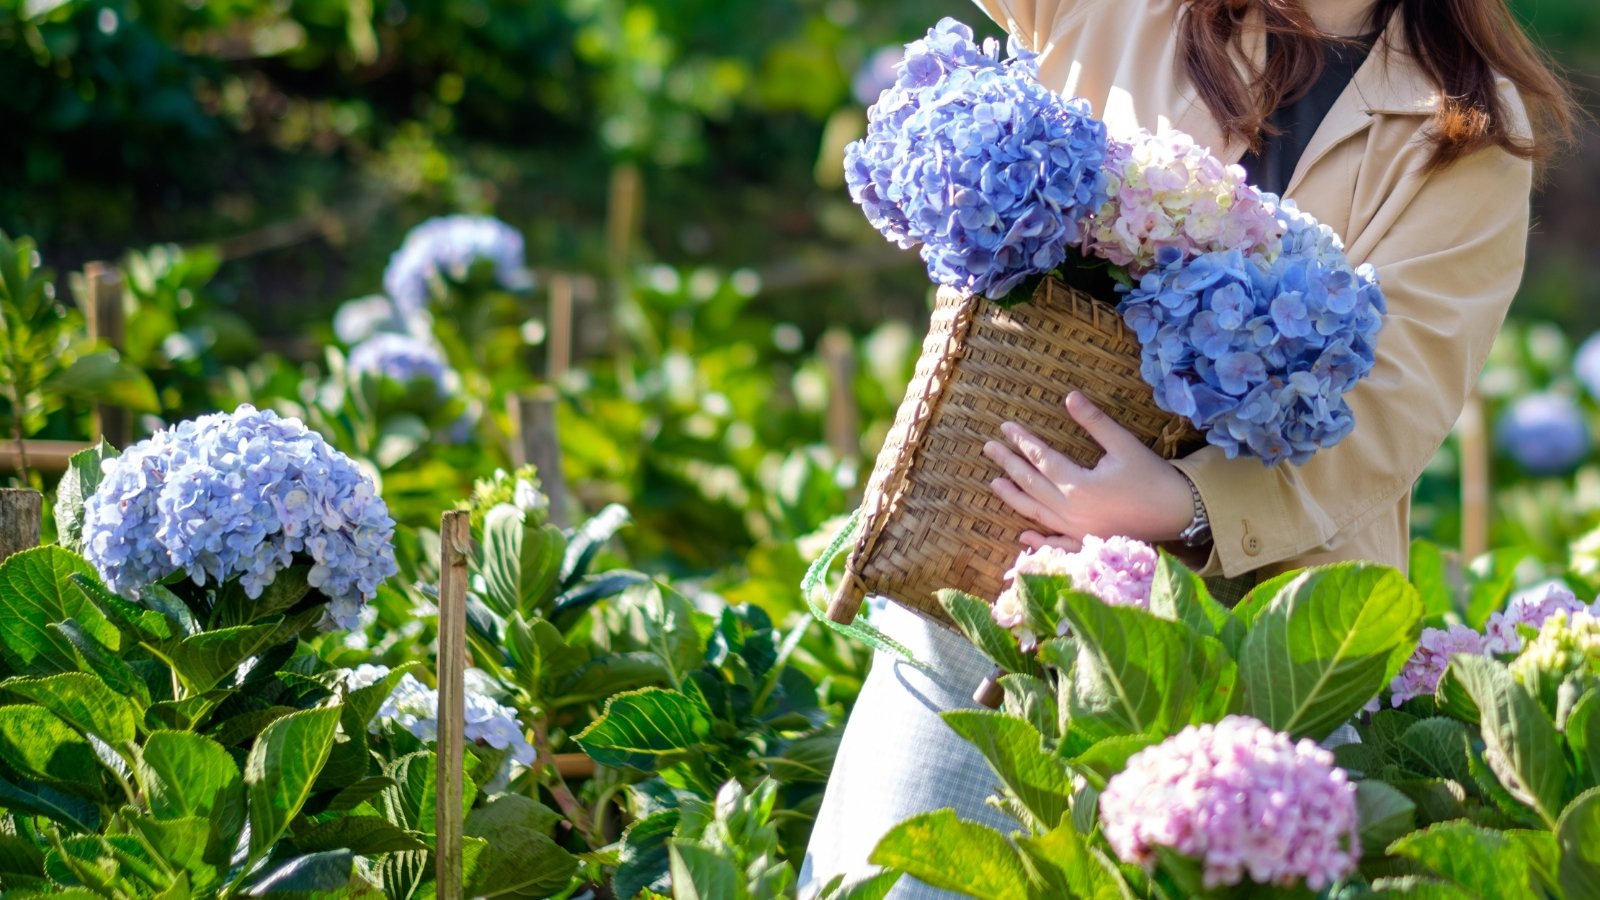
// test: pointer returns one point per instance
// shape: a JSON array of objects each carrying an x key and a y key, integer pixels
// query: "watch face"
[{"x": 1197, "y": 534}]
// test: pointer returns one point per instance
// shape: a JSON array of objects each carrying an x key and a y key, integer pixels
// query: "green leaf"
[
  {"x": 521, "y": 860},
  {"x": 1065, "y": 865},
  {"x": 521, "y": 560},
  {"x": 1490, "y": 580},
  {"x": 186, "y": 844},
  {"x": 1428, "y": 576},
  {"x": 644, "y": 859},
  {"x": 699, "y": 873},
  {"x": 42, "y": 747},
  {"x": 189, "y": 776},
  {"x": 288, "y": 588},
  {"x": 640, "y": 727},
  {"x": 36, "y": 591},
  {"x": 359, "y": 793},
  {"x": 1438, "y": 746},
  {"x": 361, "y": 835},
  {"x": 808, "y": 760},
  {"x": 1384, "y": 814},
  {"x": 1133, "y": 670},
  {"x": 1521, "y": 745},
  {"x": 1177, "y": 593},
  {"x": 540, "y": 653},
  {"x": 1322, "y": 647},
  {"x": 1543, "y": 854},
  {"x": 611, "y": 674},
  {"x": 1031, "y": 698},
  {"x": 205, "y": 659},
  {"x": 104, "y": 377},
  {"x": 93, "y": 657},
  {"x": 281, "y": 768},
  {"x": 78, "y": 484},
  {"x": 1015, "y": 750},
  {"x": 973, "y": 617},
  {"x": 326, "y": 871},
  {"x": 82, "y": 701},
  {"x": 412, "y": 801},
  {"x": 1482, "y": 861},
  {"x": 136, "y": 622},
  {"x": 1583, "y": 737},
  {"x": 41, "y": 800},
  {"x": 1110, "y": 756},
  {"x": 587, "y": 540},
  {"x": 872, "y": 887},
  {"x": 1578, "y": 833},
  {"x": 944, "y": 851}
]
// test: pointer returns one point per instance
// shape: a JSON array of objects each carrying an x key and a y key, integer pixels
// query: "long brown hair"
[{"x": 1461, "y": 44}]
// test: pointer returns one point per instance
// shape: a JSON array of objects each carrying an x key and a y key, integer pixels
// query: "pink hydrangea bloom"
[
  {"x": 1118, "y": 570},
  {"x": 1242, "y": 799},
  {"x": 1165, "y": 191},
  {"x": 1532, "y": 609},
  {"x": 1421, "y": 673}
]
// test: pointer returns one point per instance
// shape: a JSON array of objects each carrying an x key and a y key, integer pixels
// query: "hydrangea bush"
[
  {"x": 1545, "y": 433},
  {"x": 240, "y": 496},
  {"x": 1258, "y": 351},
  {"x": 414, "y": 707},
  {"x": 975, "y": 160},
  {"x": 1245, "y": 801},
  {"x": 402, "y": 358},
  {"x": 1164, "y": 192},
  {"x": 447, "y": 247}
]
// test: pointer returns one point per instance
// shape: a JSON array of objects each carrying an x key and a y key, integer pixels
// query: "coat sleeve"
[
  {"x": 1035, "y": 22},
  {"x": 1449, "y": 258}
]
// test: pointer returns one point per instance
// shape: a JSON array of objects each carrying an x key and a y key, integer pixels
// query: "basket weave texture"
[{"x": 929, "y": 518}]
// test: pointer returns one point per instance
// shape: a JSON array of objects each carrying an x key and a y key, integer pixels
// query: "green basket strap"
[{"x": 814, "y": 585}]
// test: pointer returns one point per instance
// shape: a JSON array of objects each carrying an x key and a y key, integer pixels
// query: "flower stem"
[{"x": 545, "y": 762}]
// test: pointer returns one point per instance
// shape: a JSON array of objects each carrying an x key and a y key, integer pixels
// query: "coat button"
[{"x": 1252, "y": 545}]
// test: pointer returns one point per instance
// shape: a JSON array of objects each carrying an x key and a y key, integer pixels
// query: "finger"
[
  {"x": 1026, "y": 506},
  {"x": 1035, "y": 540},
  {"x": 1116, "y": 440},
  {"x": 1048, "y": 460},
  {"x": 1024, "y": 474}
]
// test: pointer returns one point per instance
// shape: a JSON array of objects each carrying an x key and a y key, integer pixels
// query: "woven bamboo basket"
[{"x": 929, "y": 519}]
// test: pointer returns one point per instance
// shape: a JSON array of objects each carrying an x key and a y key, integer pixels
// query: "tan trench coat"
[{"x": 1448, "y": 247}]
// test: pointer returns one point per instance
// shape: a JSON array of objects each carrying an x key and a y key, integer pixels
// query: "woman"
[{"x": 1411, "y": 127}]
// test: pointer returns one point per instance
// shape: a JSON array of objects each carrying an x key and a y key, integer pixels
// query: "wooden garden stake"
[
  {"x": 106, "y": 322},
  {"x": 455, "y": 540},
  {"x": 20, "y": 509},
  {"x": 843, "y": 426},
  {"x": 1474, "y": 480},
  {"x": 533, "y": 422},
  {"x": 558, "y": 356}
]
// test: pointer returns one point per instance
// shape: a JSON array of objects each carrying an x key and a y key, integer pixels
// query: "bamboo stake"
[
  {"x": 533, "y": 422},
  {"x": 20, "y": 509},
  {"x": 455, "y": 537},
  {"x": 105, "y": 314},
  {"x": 558, "y": 356},
  {"x": 1474, "y": 480},
  {"x": 843, "y": 425}
]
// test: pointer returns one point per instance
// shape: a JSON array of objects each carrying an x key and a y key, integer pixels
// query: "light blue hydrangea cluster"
[
  {"x": 447, "y": 247},
  {"x": 401, "y": 357},
  {"x": 1546, "y": 433},
  {"x": 361, "y": 318},
  {"x": 414, "y": 707},
  {"x": 240, "y": 495},
  {"x": 975, "y": 160},
  {"x": 1258, "y": 350}
]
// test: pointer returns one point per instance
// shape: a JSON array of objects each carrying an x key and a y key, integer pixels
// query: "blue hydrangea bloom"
[
  {"x": 400, "y": 357},
  {"x": 240, "y": 496},
  {"x": 446, "y": 247},
  {"x": 1259, "y": 351},
  {"x": 361, "y": 318},
  {"x": 971, "y": 157},
  {"x": 1545, "y": 433}
]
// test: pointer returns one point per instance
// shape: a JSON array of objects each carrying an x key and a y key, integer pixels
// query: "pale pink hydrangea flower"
[
  {"x": 1240, "y": 798},
  {"x": 1421, "y": 673},
  {"x": 1531, "y": 608},
  {"x": 1165, "y": 191},
  {"x": 1118, "y": 570}
]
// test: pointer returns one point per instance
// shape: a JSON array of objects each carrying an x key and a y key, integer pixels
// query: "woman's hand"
[{"x": 1131, "y": 492}]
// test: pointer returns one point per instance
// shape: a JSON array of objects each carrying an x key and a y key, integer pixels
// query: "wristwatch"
[{"x": 1198, "y": 532}]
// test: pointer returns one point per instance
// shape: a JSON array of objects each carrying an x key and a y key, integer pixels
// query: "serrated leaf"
[
  {"x": 282, "y": 767},
  {"x": 137, "y": 623},
  {"x": 203, "y": 660},
  {"x": 607, "y": 675},
  {"x": 1439, "y": 747},
  {"x": 186, "y": 844},
  {"x": 82, "y": 701},
  {"x": 38, "y": 745},
  {"x": 326, "y": 871},
  {"x": 1031, "y": 698},
  {"x": 1578, "y": 834},
  {"x": 973, "y": 616},
  {"x": 41, "y": 800},
  {"x": 1110, "y": 756},
  {"x": 1322, "y": 647},
  {"x": 1015, "y": 751},
  {"x": 699, "y": 873},
  {"x": 1480, "y": 860},
  {"x": 1177, "y": 593},
  {"x": 589, "y": 590},
  {"x": 644, "y": 860},
  {"x": 808, "y": 760},
  {"x": 942, "y": 850},
  {"x": 1521, "y": 745},
  {"x": 639, "y": 728},
  {"x": 189, "y": 776},
  {"x": 587, "y": 540},
  {"x": 93, "y": 657},
  {"x": 872, "y": 887},
  {"x": 1583, "y": 737},
  {"x": 361, "y": 835},
  {"x": 1066, "y": 866},
  {"x": 412, "y": 801},
  {"x": 1384, "y": 814},
  {"x": 359, "y": 793},
  {"x": 78, "y": 484},
  {"x": 1133, "y": 670},
  {"x": 36, "y": 591},
  {"x": 288, "y": 588},
  {"x": 521, "y": 860}
]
